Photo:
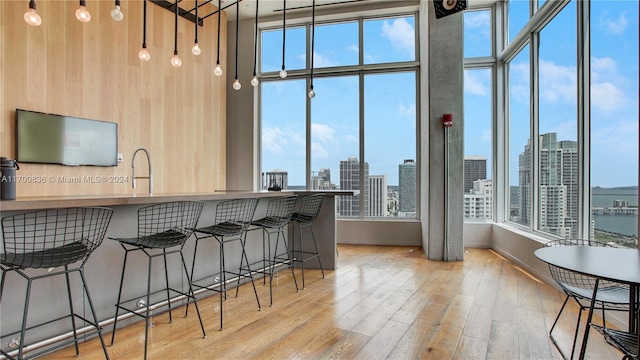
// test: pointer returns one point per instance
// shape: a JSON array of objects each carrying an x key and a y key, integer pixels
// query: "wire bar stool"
[
  {"x": 232, "y": 218},
  {"x": 163, "y": 230},
  {"x": 52, "y": 243},
  {"x": 278, "y": 215},
  {"x": 304, "y": 217}
]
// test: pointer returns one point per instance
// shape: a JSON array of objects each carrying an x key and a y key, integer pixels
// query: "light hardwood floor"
[{"x": 381, "y": 303}]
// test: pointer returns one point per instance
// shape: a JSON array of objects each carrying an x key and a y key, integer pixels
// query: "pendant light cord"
[
  {"x": 144, "y": 24},
  {"x": 197, "y": 20},
  {"x": 237, "y": 29},
  {"x": 284, "y": 30},
  {"x": 219, "y": 12},
  {"x": 175, "y": 29},
  {"x": 255, "y": 43},
  {"x": 313, "y": 36}
]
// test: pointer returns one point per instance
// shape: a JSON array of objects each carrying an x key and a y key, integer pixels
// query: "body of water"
[{"x": 620, "y": 224}]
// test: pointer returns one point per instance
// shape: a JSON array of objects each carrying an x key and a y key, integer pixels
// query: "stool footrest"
[{"x": 140, "y": 311}]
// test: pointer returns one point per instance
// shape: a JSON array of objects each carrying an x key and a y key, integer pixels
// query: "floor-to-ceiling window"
[
  {"x": 359, "y": 132},
  {"x": 614, "y": 121},
  {"x": 579, "y": 178},
  {"x": 557, "y": 160},
  {"x": 478, "y": 114}
]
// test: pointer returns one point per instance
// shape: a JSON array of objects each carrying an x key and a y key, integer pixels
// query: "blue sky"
[
  {"x": 390, "y": 99},
  {"x": 614, "y": 89}
]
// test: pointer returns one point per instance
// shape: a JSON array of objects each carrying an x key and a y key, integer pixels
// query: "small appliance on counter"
[{"x": 8, "y": 178}]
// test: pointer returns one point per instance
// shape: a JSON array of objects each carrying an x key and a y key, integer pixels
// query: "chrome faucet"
[{"x": 133, "y": 170}]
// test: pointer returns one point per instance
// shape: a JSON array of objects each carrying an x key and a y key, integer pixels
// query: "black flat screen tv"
[{"x": 56, "y": 139}]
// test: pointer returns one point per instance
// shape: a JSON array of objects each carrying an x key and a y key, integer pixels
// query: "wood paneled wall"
[{"x": 92, "y": 71}]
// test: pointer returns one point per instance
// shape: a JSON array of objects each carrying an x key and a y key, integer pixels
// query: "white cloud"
[
  {"x": 401, "y": 34},
  {"x": 282, "y": 141},
  {"x": 607, "y": 84},
  {"x": 353, "y": 48},
  {"x": 319, "y": 60},
  {"x": 617, "y": 26},
  {"x": 519, "y": 73},
  {"x": 323, "y": 133},
  {"x": 558, "y": 83},
  {"x": 477, "y": 20},
  {"x": 408, "y": 110},
  {"x": 474, "y": 85},
  {"x": 351, "y": 139}
]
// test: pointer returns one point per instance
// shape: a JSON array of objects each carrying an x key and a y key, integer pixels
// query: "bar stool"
[
  {"x": 309, "y": 209},
  {"x": 163, "y": 229},
  {"x": 278, "y": 215},
  {"x": 53, "y": 240},
  {"x": 232, "y": 218}
]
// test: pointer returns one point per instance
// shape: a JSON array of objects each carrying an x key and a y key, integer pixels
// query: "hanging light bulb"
[
  {"x": 283, "y": 72},
  {"x": 175, "y": 60},
  {"x": 254, "y": 80},
  {"x": 31, "y": 16},
  {"x": 236, "y": 84},
  {"x": 144, "y": 54},
  {"x": 116, "y": 14},
  {"x": 195, "y": 50},
  {"x": 312, "y": 93},
  {"x": 218, "y": 70},
  {"x": 82, "y": 13}
]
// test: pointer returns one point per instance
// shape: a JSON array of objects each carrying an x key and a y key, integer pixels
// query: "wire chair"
[
  {"x": 49, "y": 239},
  {"x": 278, "y": 215},
  {"x": 232, "y": 218},
  {"x": 165, "y": 227},
  {"x": 610, "y": 295},
  {"x": 304, "y": 217}
]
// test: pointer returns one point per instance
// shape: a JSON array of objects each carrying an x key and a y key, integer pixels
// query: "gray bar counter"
[{"x": 104, "y": 266}]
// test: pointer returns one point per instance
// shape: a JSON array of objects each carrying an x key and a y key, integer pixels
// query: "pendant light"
[
  {"x": 144, "y": 54},
  {"x": 116, "y": 13},
  {"x": 175, "y": 60},
  {"x": 254, "y": 80},
  {"x": 218, "y": 70},
  {"x": 82, "y": 13},
  {"x": 31, "y": 16},
  {"x": 236, "y": 83},
  {"x": 195, "y": 50},
  {"x": 312, "y": 93},
  {"x": 283, "y": 72}
]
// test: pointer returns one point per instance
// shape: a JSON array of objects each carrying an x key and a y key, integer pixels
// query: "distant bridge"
[{"x": 614, "y": 210}]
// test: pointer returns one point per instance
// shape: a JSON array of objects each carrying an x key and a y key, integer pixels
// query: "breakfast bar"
[{"x": 102, "y": 270}]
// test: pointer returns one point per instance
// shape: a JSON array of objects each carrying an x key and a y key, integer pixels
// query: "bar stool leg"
[
  {"x": 315, "y": 245},
  {"x": 166, "y": 281},
  {"x": 243, "y": 239},
  {"x": 192, "y": 293},
  {"x": 23, "y": 330},
  {"x": 289, "y": 257},
  {"x": 73, "y": 318},
  {"x": 115, "y": 319},
  {"x": 146, "y": 320},
  {"x": 93, "y": 313}
]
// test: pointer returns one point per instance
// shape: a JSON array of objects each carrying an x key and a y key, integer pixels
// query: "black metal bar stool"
[
  {"x": 309, "y": 209},
  {"x": 163, "y": 229},
  {"x": 278, "y": 215},
  {"x": 231, "y": 221},
  {"x": 51, "y": 243}
]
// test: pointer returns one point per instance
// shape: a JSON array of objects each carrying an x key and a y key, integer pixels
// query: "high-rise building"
[
  {"x": 378, "y": 195},
  {"x": 275, "y": 180},
  {"x": 478, "y": 202},
  {"x": 407, "y": 187},
  {"x": 558, "y": 192},
  {"x": 322, "y": 180},
  {"x": 475, "y": 168},
  {"x": 350, "y": 180}
]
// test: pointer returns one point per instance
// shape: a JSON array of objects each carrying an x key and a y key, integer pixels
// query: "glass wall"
[
  {"x": 519, "y": 166},
  {"x": 614, "y": 122},
  {"x": 558, "y": 166},
  {"x": 362, "y": 121}
]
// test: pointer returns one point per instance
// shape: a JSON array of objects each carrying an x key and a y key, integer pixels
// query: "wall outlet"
[{"x": 119, "y": 158}]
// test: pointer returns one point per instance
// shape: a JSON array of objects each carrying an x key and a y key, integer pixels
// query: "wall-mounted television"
[{"x": 56, "y": 139}]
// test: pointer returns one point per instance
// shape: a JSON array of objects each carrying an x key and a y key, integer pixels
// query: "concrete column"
[{"x": 443, "y": 211}]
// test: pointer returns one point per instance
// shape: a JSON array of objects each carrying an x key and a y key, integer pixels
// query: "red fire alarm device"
[{"x": 447, "y": 120}]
